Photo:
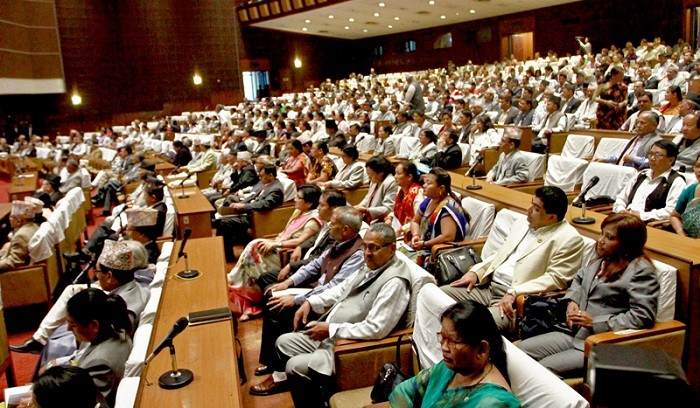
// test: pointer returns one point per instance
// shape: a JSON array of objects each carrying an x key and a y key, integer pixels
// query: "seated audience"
[
  {"x": 342, "y": 258},
  {"x": 408, "y": 198},
  {"x": 440, "y": 217},
  {"x": 323, "y": 168},
  {"x": 685, "y": 218},
  {"x": 483, "y": 135},
  {"x": 16, "y": 252},
  {"x": 262, "y": 255},
  {"x": 653, "y": 193},
  {"x": 512, "y": 166},
  {"x": 234, "y": 228},
  {"x": 689, "y": 142},
  {"x": 222, "y": 178},
  {"x": 382, "y": 191},
  {"x": 617, "y": 290},
  {"x": 451, "y": 157},
  {"x": 635, "y": 152},
  {"x": 385, "y": 144},
  {"x": 367, "y": 306},
  {"x": 74, "y": 178},
  {"x": 297, "y": 166},
  {"x": 202, "y": 161},
  {"x": 183, "y": 156},
  {"x": 473, "y": 369},
  {"x": 541, "y": 253},
  {"x": 554, "y": 121},
  {"x": 427, "y": 148},
  {"x": 60, "y": 387},
  {"x": 352, "y": 175}
]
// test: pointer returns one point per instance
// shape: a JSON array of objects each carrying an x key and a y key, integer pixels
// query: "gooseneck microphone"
[
  {"x": 582, "y": 199},
  {"x": 187, "y": 273},
  {"x": 470, "y": 172},
  {"x": 178, "y": 327}
]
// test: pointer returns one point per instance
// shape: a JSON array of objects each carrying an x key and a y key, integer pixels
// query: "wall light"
[
  {"x": 76, "y": 99},
  {"x": 197, "y": 79},
  {"x": 297, "y": 63}
]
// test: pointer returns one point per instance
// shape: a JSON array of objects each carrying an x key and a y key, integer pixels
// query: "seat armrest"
[{"x": 665, "y": 329}]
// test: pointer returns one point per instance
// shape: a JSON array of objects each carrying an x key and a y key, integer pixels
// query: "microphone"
[
  {"x": 187, "y": 273},
  {"x": 591, "y": 183},
  {"x": 470, "y": 172},
  {"x": 182, "y": 184},
  {"x": 84, "y": 272},
  {"x": 187, "y": 234},
  {"x": 582, "y": 199},
  {"x": 177, "y": 328}
]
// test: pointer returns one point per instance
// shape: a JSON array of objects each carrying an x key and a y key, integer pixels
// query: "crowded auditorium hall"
[{"x": 349, "y": 203}]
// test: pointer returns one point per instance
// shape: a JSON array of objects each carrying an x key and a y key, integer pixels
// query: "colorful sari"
[
  {"x": 300, "y": 166},
  {"x": 403, "y": 209},
  {"x": 244, "y": 293}
]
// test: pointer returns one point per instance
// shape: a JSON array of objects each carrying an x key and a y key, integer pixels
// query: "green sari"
[{"x": 428, "y": 389}]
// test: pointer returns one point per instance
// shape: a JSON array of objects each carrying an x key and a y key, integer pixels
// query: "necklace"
[{"x": 483, "y": 376}]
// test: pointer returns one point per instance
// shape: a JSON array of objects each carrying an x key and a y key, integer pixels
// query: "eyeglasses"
[
  {"x": 656, "y": 155},
  {"x": 451, "y": 343},
  {"x": 374, "y": 248}
]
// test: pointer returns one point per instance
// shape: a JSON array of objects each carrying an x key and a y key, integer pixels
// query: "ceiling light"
[
  {"x": 431, "y": 2},
  {"x": 365, "y": 30},
  {"x": 376, "y": 14},
  {"x": 396, "y": 18},
  {"x": 307, "y": 21},
  {"x": 76, "y": 99},
  {"x": 347, "y": 27},
  {"x": 443, "y": 17},
  {"x": 297, "y": 63},
  {"x": 352, "y": 20},
  {"x": 457, "y": 14},
  {"x": 331, "y": 16},
  {"x": 304, "y": 29},
  {"x": 382, "y": 4},
  {"x": 472, "y": 11},
  {"x": 390, "y": 26}
]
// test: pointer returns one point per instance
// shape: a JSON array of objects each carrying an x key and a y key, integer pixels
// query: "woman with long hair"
[{"x": 617, "y": 290}]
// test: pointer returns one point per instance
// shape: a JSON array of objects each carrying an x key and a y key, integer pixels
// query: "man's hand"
[
  {"x": 506, "y": 306},
  {"x": 295, "y": 256},
  {"x": 318, "y": 331},
  {"x": 469, "y": 279},
  {"x": 237, "y": 206},
  {"x": 280, "y": 303},
  {"x": 628, "y": 158},
  {"x": 284, "y": 273},
  {"x": 300, "y": 317},
  {"x": 279, "y": 286}
]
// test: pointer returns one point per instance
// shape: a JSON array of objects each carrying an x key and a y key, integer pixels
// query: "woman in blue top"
[
  {"x": 473, "y": 371},
  {"x": 440, "y": 217},
  {"x": 685, "y": 219}
]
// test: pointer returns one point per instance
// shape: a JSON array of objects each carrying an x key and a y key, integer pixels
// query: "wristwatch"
[{"x": 511, "y": 291}]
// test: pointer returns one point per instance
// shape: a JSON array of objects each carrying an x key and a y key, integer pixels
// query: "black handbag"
[
  {"x": 451, "y": 264},
  {"x": 389, "y": 377},
  {"x": 543, "y": 314}
]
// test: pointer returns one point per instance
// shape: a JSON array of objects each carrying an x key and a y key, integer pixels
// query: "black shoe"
[
  {"x": 30, "y": 346},
  {"x": 77, "y": 257}
]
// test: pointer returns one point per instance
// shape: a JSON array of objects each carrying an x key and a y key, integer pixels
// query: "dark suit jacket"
[
  {"x": 246, "y": 178},
  {"x": 464, "y": 133},
  {"x": 338, "y": 140},
  {"x": 524, "y": 118},
  {"x": 572, "y": 106},
  {"x": 270, "y": 196},
  {"x": 449, "y": 159},
  {"x": 651, "y": 83},
  {"x": 263, "y": 148}
]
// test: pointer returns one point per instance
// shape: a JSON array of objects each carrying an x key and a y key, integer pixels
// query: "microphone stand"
[
  {"x": 187, "y": 273},
  {"x": 182, "y": 184},
  {"x": 474, "y": 186},
  {"x": 175, "y": 378},
  {"x": 583, "y": 219}
]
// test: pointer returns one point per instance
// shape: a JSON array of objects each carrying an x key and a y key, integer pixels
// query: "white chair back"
[
  {"x": 464, "y": 147},
  {"x": 289, "y": 188},
  {"x": 565, "y": 172},
  {"x": 578, "y": 146},
  {"x": 613, "y": 179},
  {"x": 43, "y": 152},
  {"x": 609, "y": 146},
  {"x": 502, "y": 225},
  {"x": 108, "y": 154},
  {"x": 535, "y": 165},
  {"x": 481, "y": 216},
  {"x": 666, "y": 306}
]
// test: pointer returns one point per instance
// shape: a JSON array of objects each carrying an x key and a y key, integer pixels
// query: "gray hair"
[
  {"x": 350, "y": 216},
  {"x": 384, "y": 231}
]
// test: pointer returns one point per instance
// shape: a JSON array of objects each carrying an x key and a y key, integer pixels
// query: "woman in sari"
[
  {"x": 297, "y": 166},
  {"x": 262, "y": 255},
  {"x": 408, "y": 199},
  {"x": 685, "y": 218},
  {"x": 426, "y": 149},
  {"x": 473, "y": 372},
  {"x": 323, "y": 168},
  {"x": 612, "y": 101},
  {"x": 440, "y": 217}
]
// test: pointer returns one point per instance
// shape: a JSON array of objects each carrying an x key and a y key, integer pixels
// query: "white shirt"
[
  {"x": 504, "y": 273},
  {"x": 639, "y": 200}
]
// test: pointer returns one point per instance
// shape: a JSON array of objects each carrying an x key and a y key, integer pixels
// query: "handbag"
[
  {"x": 543, "y": 313},
  {"x": 451, "y": 264},
  {"x": 389, "y": 376}
]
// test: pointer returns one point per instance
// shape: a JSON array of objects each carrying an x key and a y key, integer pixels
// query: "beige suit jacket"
[
  {"x": 549, "y": 263},
  {"x": 18, "y": 252}
]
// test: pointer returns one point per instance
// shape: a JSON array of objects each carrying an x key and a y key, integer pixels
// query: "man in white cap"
[
  {"x": 244, "y": 174},
  {"x": 222, "y": 178},
  {"x": 142, "y": 226},
  {"x": 115, "y": 274},
  {"x": 205, "y": 161},
  {"x": 512, "y": 164},
  {"x": 16, "y": 252}
]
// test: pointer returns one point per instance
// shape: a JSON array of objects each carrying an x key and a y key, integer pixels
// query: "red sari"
[
  {"x": 297, "y": 168},
  {"x": 403, "y": 209}
]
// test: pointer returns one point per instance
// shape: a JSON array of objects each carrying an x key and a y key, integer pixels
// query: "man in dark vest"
[
  {"x": 335, "y": 265},
  {"x": 413, "y": 99},
  {"x": 653, "y": 194},
  {"x": 366, "y": 306}
]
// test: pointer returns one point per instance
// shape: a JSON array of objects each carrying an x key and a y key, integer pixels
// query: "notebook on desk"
[{"x": 209, "y": 316}]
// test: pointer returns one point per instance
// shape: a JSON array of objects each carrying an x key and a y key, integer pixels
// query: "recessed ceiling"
[{"x": 357, "y": 19}]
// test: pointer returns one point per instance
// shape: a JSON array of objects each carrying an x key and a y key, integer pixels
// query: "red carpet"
[{"x": 21, "y": 322}]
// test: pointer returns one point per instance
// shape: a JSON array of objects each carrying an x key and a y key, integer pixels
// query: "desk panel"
[{"x": 193, "y": 211}]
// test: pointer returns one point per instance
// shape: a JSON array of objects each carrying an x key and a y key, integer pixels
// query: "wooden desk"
[
  {"x": 21, "y": 186},
  {"x": 193, "y": 212},
  {"x": 5, "y": 209},
  {"x": 164, "y": 168},
  {"x": 207, "y": 350},
  {"x": 680, "y": 252}
]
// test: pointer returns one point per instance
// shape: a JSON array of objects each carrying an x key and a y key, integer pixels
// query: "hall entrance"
[{"x": 519, "y": 46}]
